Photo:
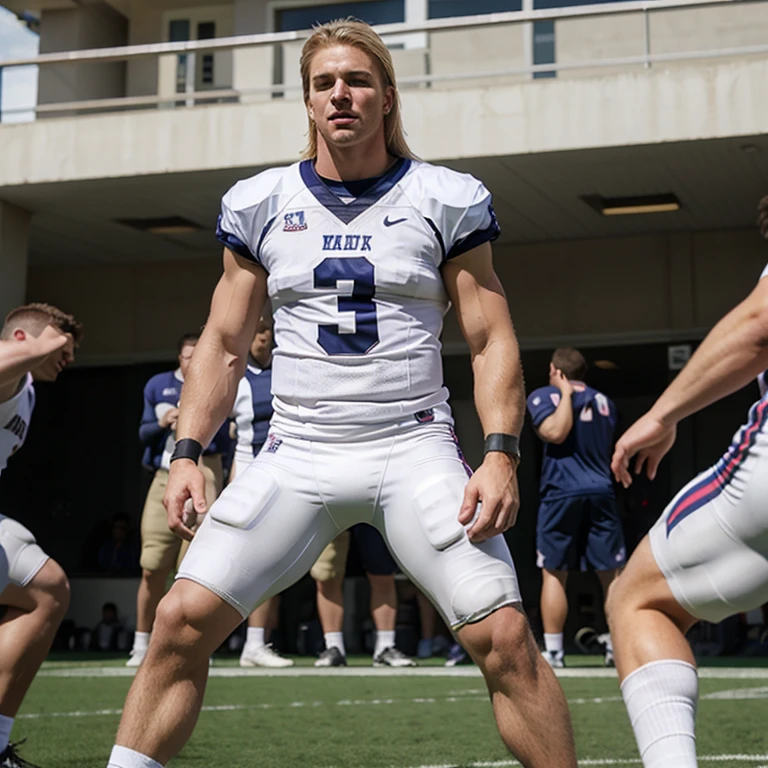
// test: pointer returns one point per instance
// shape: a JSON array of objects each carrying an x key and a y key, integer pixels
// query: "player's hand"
[
  {"x": 169, "y": 418},
  {"x": 649, "y": 438},
  {"x": 185, "y": 483},
  {"x": 494, "y": 487},
  {"x": 558, "y": 379}
]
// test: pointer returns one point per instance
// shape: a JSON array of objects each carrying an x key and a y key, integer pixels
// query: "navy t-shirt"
[{"x": 581, "y": 464}]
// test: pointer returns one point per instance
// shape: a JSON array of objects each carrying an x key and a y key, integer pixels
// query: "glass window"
[
  {"x": 442, "y": 9},
  {"x": 374, "y": 12},
  {"x": 544, "y": 46}
]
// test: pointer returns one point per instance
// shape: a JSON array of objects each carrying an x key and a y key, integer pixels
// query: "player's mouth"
[{"x": 342, "y": 118}]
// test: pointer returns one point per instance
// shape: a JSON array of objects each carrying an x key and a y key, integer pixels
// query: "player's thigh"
[
  {"x": 159, "y": 545},
  {"x": 421, "y": 498},
  {"x": 714, "y": 555},
  {"x": 558, "y": 534},
  {"x": 24, "y": 555},
  {"x": 332, "y": 561},
  {"x": 263, "y": 533},
  {"x": 374, "y": 553},
  {"x": 605, "y": 550}
]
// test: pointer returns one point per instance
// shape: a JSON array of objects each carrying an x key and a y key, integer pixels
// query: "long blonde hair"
[{"x": 360, "y": 35}]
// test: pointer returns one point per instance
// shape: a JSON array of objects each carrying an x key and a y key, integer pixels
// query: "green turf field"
[{"x": 366, "y": 718}]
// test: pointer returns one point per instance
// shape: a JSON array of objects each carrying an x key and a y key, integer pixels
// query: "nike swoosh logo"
[{"x": 388, "y": 223}]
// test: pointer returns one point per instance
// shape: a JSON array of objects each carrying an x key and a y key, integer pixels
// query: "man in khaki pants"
[{"x": 161, "y": 549}]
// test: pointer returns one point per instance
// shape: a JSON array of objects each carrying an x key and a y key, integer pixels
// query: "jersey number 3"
[{"x": 359, "y": 271}]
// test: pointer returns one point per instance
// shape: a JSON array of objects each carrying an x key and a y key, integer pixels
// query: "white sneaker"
[
  {"x": 263, "y": 656},
  {"x": 393, "y": 657},
  {"x": 555, "y": 659},
  {"x": 135, "y": 659}
]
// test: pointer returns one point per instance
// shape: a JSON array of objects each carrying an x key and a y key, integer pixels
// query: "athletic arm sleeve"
[{"x": 466, "y": 228}]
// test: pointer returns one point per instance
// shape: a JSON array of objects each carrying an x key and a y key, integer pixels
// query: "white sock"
[
  {"x": 554, "y": 642},
  {"x": 608, "y": 642},
  {"x": 6, "y": 723},
  {"x": 335, "y": 640},
  {"x": 141, "y": 642},
  {"x": 255, "y": 637},
  {"x": 385, "y": 638},
  {"x": 661, "y": 703},
  {"x": 122, "y": 757}
]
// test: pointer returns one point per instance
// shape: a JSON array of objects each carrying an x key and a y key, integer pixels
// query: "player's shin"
[{"x": 661, "y": 702}]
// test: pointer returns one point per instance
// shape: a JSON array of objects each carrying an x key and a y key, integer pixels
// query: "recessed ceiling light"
[
  {"x": 628, "y": 206},
  {"x": 169, "y": 225}
]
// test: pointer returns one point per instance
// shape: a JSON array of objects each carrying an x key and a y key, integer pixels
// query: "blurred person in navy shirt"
[
  {"x": 578, "y": 524},
  {"x": 119, "y": 555},
  {"x": 161, "y": 549}
]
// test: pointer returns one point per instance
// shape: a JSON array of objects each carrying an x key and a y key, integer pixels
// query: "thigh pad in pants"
[
  {"x": 465, "y": 581},
  {"x": 24, "y": 555}
]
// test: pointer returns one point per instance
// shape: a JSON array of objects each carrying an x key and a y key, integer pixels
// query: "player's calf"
[{"x": 528, "y": 703}]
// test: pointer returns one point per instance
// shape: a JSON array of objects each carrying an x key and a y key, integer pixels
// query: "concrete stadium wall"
[
  {"x": 618, "y": 290},
  {"x": 643, "y": 107}
]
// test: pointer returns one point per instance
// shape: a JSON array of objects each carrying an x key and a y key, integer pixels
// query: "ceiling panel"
[{"x": 537, "y": 198}]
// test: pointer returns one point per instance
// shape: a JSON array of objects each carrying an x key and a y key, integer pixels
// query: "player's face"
[
  {"x": 347, "y": 97},
  {"x": 262, "y": 341},
  {"x": 184, "y": 357},
  {"x": 56, "y": 362}
]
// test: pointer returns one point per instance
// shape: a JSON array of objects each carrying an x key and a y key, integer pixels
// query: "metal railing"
[{"x": 268, "y": 80}]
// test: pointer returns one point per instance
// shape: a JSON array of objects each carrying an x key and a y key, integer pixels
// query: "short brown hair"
[
  {"x": 34, "y": 317},
  {"x": 188, "y": 340},
  {"x": 762, "y": 217},
  {"x": 356, "y": 34},
  {"x": 570, "y": 361}
]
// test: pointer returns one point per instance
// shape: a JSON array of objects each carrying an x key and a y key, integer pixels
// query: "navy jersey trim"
[
  {"x": 718, "y": 478},
  {"x": 480, "y": 236},
  {"x": 438, "y": 235},
  {"x": 234, "y": 243},
  {"x": 349, "y": 212}
]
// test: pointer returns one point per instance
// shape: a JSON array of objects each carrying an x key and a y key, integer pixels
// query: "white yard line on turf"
[
  {"x": 460, "y": 699},
  {"x": 585, "y": 673}
]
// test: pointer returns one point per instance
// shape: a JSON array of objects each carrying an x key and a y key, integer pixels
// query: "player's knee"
[
  {"x": 506, "y": 646},
  {"x": 51, "y": 588}
]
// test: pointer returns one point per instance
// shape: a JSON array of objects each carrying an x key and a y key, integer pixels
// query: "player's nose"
[{"x": 340, "y": 93}]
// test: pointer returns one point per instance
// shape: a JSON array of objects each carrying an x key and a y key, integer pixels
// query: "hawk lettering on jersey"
[
  {"x": 295, "y": 222},
  {"x": 170, "y": 391},
  {"x": 347, "y": 242},
  {"x": 17, "y": 426}
]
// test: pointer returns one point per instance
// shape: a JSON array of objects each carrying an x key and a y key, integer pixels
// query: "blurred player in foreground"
[
  {"x": 36, "y": 343},
  {"x": 707, "y": 556}
]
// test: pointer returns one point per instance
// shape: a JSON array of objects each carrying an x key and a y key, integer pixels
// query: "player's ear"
[{"x": 389, "y": 99}]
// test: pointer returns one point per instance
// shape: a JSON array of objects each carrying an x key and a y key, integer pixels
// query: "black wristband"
[
  {"x": 498, "y": 441},
  {"x": 187, "y": 448}
]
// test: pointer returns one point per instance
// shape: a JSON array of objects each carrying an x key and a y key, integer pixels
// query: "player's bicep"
[
  {"x": 237, "y": 304},
  {"x": 478, "y": 298}
]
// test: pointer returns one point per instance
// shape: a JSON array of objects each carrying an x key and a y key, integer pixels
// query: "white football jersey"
[
  {"x": 762, "y": 379},
  {"x": 15, "y": 415},
  {"x": 356, "y": 289}
]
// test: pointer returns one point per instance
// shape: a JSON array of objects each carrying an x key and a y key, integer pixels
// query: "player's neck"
[
  {"x": 353, "y": 163},
  {"x": 11, "y": 389}
]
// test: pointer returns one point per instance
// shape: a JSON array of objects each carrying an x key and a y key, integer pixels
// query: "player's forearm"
[
  {"x": 731, "y": 356},
  {"x": 17, "y": 358},
  {"x": 557, "y": 427},
  {"x": 209, "y": 389},
  {"x": 499, "y": 386}
]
